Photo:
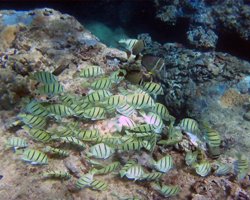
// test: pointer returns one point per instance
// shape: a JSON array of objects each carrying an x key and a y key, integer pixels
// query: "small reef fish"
[
  {"x": 107, "y": 169},
  {"x": 87, "y": 134},
  {"x": 125, "y": 168},
  {"x": 68, "y": 99},
  {"x": 166, "y": 190},
  {"x": 213, "y": 140},
  {"x": 79, "y": 107},
  {"x": 241, "y": 166},
  {"x": 125, "y": 122},
  {"x": 96, "y": 96},
  {"x": 37, "y": 134},
  {"x": 222, "y": 169},
  {"x": 116, "y": 100},
  {"x": 191, "y": 158},
  {"x": 32, "y": 120},
  {"x": 94, "y": 113},
  {"x": 139, "y": 101},
  {"x": 57, "y": 175},
  {"x": 84, "y": 180},
  {"x": 153, "y": 64},
  {"x": 162, "y": 111},
  {"x": 56, "y": 151},
  {"x": 50, "y": 89},
  {"x": 153, "y": 176},
  {"x": 101, "y": 151},
  {"x": 202, "y": 169},
  {"x": 126, "y": 110},
  {"x": 92, "y": 71},
  {"x": 142, "y": 128},
  {"x": 35, "y": 157},
  {"x": 133, "y": 45},
  {"x": 118, "y": 76},
  {"x": 189, "y": 125},
  {"x": 59, "y": 110},
  {"x": 131, "y": 145},
  {"x": 135, "y": 172},
  {"x": 155, "y": 120},
  {"x": 35, "y": 108},
  {"x": 44, "y": 77},
  {"x": 101, "y": 84},
  {"x": 16, "y": 143},
  {"x": 73, "y": 140},
  {"x": 98, "y": 185},
  {"x": 150, "y": 143},
  {"x": 164, "y": 164},
  {"x": 152, "y": 88}
]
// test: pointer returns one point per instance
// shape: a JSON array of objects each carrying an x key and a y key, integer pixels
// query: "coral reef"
[
  {"x": 57, "y": 43},
  {"x": 226, "y": 14}
]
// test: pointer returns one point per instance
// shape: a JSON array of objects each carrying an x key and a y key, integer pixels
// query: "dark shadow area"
[{"x": 232, "y": 43}]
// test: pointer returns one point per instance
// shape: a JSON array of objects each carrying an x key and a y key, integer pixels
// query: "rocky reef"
[
  {"x": 206, "y": 18},
  {"x": 208, "y": 86}
]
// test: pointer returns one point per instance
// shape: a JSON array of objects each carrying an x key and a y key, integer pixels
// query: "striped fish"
[
  {"x": 98, "y": 185},
  {"x": 116, "y": 100},
  {"x": 35, "y": 108},
  {"x": 101, "y": 84},
  {"x": 79, "y": 107},
  {"x": 37, "y": 134},
  {"x": 32, "y": 120},
  {"x": 191, "y": 157},
  {"x": 241, "y": 166},
  {"x": 68, "y": 99},
  {"x": 203, "y": 169},
  {"x": 16, "y": 143},
  {"x": 140, "y": 101},
  {"x": 143, "y": 128},
  {"x": 125, "y": 110},
  {"x": 101, "y": 151},
  {"x": 152, "y": 88},
  {"x": 56, "y": 151},
  {"x": 73, "y": 140},
  {"x": 135, "y": 172},
  {"x": 213, "y": 138},
  {"x": 109, "y": 168},
  {"x": 92, "y": 71},
  {"x": 84, "y": 181},
  {"x": 118, "y": 76},
  {"x": 153, "y": 176},
  {"x": 155, "y": 120},
  {"x": 150, "y": 143},
  {"x": 167, "y": 190},
  {"x": 162, "y": 111},
  {"x": 222, "y": 169},
  {"x": 125, "y": 122},
  {"x": 96, "y": 96},
  {"x": 138, "y": 134},
  {"x": 131, "y": 145},
  {"x": 60, "y": 110},
  {"x": 133, "y": 45},
  {"x": 125, "y": 168},
  {"x": 51, "y": 89},
  {"x": 164, "y": 164},
  {"x": 64, "y": 132},
  {"x": 153, "y": 64},
  {"x": 44, "y": 77},
  {"x": 35, "y": 157},
  {"x": 189, "y": 125},
  {"x": 56, "y": 174},
  {"x": 94, "y": 113},
  {"x": 87, "y": 134}
]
